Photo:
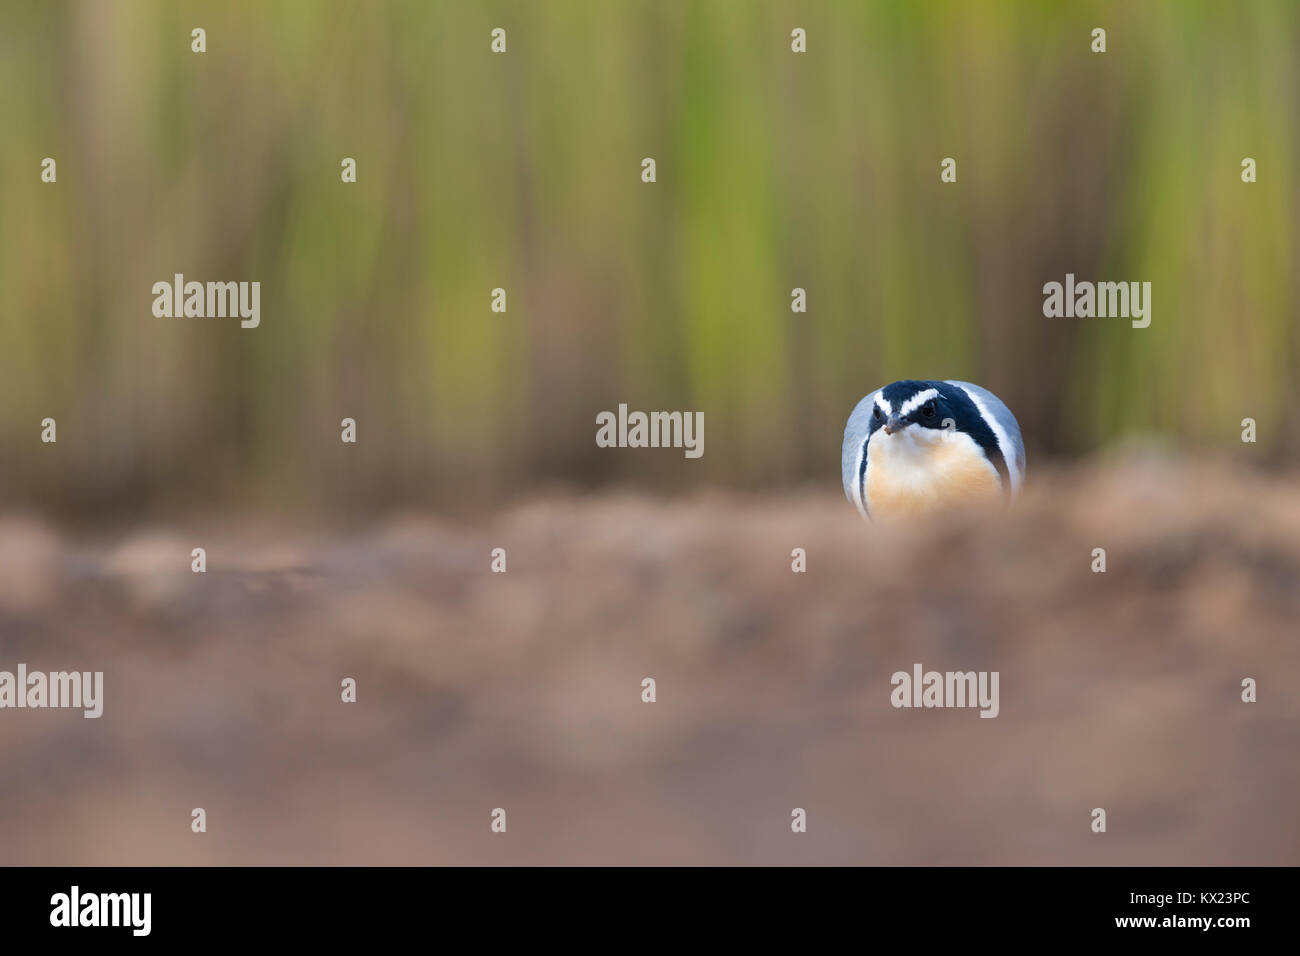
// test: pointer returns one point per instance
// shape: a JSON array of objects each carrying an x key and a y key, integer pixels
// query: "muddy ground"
[{"x": 522, "y": 690}]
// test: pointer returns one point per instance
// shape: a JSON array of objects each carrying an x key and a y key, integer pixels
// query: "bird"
[{"x": 914, "y": 448}]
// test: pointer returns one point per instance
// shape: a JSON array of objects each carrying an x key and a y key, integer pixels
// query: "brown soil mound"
[{"x": 522, "y": 690}]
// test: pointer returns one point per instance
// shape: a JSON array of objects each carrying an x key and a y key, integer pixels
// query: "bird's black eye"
[
  {"x": 876, "y": 414},
  {"x": 928, "y": 409}
]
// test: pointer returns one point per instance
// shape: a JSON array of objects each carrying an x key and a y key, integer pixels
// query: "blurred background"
[
  {"x": 476, "y": 430},
  {"x": 522, "y": 171}
]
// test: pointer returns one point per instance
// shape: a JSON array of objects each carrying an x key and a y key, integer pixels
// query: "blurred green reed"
[{"x": 522, "y": 171}]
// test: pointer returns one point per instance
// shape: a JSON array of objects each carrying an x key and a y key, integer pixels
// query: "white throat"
[{"x": 918, "y": 470}]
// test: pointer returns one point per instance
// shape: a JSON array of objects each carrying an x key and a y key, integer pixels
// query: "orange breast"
[{"x": 907, "y": 477}]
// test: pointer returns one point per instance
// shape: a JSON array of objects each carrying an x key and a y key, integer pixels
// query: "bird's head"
[
  {"x": 910, "y": 404},
  {"x": 913, "y": 446}
]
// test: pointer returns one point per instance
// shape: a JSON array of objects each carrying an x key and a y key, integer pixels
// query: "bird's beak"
[{"x": 892, "y": 425}]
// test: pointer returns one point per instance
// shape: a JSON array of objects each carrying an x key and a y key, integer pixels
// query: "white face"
[{"x": 914, "y": 442}]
